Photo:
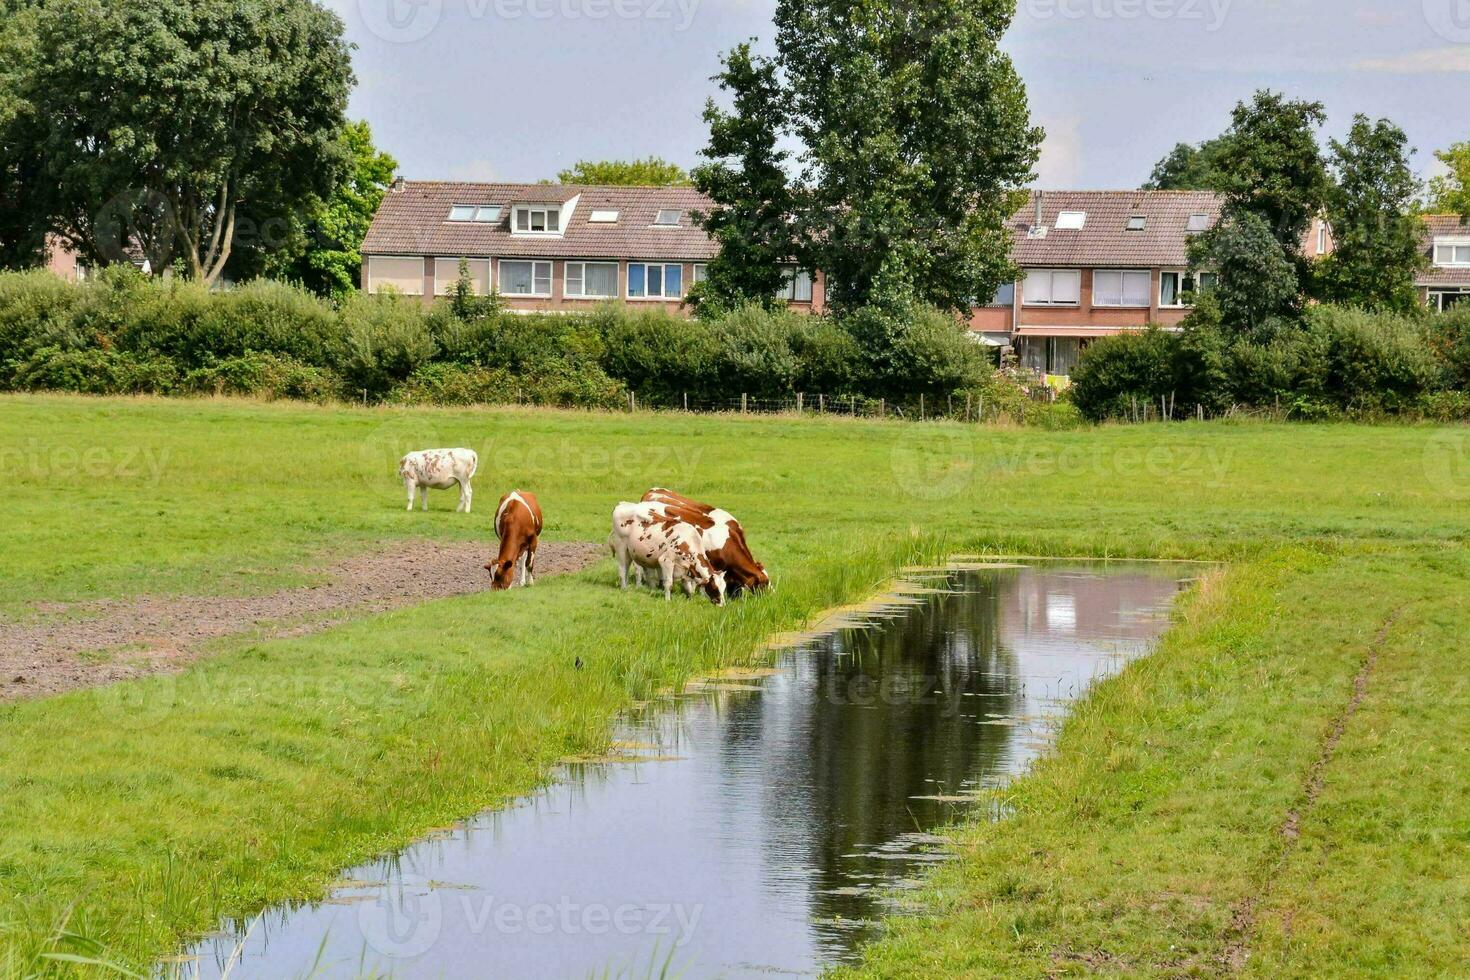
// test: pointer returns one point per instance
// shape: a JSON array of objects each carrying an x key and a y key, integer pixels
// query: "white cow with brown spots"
[
  {"x": 439, "y": 469},
  {"x": 644, "y": 535}
]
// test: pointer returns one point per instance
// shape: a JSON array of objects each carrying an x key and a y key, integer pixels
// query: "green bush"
[
  {"x": 1117, "y": 376},
  {"x": 94, "y": 371},
  {"x": 263, "y": 375},
  {"x": 753, "y": 352},
  {"x": 659, "y": 356},
  {"x": 913, "y": 349},
  {"x": 1449, "y": 334},
  {"x": 387, "y": 340},
  {"x": 1365, "y": 363},
  {"x": 459, "y": 384}
]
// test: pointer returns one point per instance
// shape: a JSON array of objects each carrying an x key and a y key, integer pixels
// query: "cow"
[
  {"x": 646, "y": 536},
  {"x": 440, "y": 469},
  {"x": 724, "y": 540},
  {"x": 518, "y": 526}
]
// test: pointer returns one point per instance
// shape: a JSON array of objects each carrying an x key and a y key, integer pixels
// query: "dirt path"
[
  {"x": 1243, "y": 915},
  {"x": 84, "y": 644}
]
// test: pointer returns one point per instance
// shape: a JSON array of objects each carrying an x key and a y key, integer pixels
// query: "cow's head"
[
  {"x": 502, "y": 574},
  {"x": 714, "y": 587}
]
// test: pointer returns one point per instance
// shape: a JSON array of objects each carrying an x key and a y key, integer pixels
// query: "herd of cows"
[{"x": 698, "y": 545}]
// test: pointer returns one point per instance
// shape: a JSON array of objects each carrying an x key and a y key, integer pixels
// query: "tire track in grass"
[{"x": 1243, "y": 916}]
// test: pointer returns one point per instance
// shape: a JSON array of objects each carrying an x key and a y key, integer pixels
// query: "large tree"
[
  {"x": 1272, "y": 166},
  {"x": 172, "y": 126},
  {"x": 1375, "y": 226},
  {"x": 22, "y": 236},
  {"x": 745, "y": 176},
  {"x": 1189, "y": 167},
  {"x": 1258, "y": 286},
  {"x": 322, "y": 249},
  {"x": 916, "y": 137},
  {"x": 1449, "y": 193},
  {"x": 648, "y": 172}
]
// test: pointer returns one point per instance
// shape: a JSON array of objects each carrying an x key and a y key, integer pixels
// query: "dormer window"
[
  {"x": 538, "y": 219},
  {"x": 603, "y": 217},
  {"x": 462, "y": 212},
  {"x": 1071, "y": 220},
  {"x": 1138, "y": 222},
  {"x": 1198, "y": 222},
  {"x": 668, "y": 218},
  {"x": 1452, "y": 252}
]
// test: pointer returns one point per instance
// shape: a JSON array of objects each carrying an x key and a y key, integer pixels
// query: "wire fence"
[{"x": 966, "y": 406}]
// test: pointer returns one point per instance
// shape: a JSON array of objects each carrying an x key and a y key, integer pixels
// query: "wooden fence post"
[
  {"x": 744, "y": 403},
  {"x": 882, "y": 408},
  {"x": 798, "y": 402},
  {"x": 821, "y": 404},
  {"x": 686, "y": 401},
  {"x": 921, "y": 406}
]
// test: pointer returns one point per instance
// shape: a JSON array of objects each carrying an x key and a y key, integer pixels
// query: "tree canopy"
[
  {"x": 179, "y": 129},
  {"x": 1375, "y": 225},
  {"x": 324, "y": 251},
  {"x": 1189, "y": 167},
  {"x": 745, "y": 176},
  {"x": 650, "y": 171},
  {"x": 1450, "y": 193}
]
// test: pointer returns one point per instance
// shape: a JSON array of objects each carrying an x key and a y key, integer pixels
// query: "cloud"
[
  {"x": 473, "y": 170},
  {"x": 1429, "y": 61},
  {"x": 1061, "y": 154}
]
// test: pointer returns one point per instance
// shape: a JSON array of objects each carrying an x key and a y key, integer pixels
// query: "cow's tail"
[{"x": 474, "y": 463}]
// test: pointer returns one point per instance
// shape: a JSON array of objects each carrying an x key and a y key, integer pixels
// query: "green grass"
[{"x": 1150, "y": 843}]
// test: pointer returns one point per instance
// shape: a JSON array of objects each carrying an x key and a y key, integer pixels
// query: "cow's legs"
[
  {"x": 531, "y": 565},
  {"x": 412, "y": 488},
  {"x": 622, "y": 555},
  {"x": 425, "y": 492},
  {"x": 466, "y": 496},
  {"x": 667, "y": 568}
]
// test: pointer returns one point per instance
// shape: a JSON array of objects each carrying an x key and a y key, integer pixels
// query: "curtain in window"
[
  {"x": 1038, "y": 287},
  {"x": 516, "y": 278},
  {"x": 673, "y": 281},
  {"x": 637, "y": 279},
  {"x": 601, "y": 280}
]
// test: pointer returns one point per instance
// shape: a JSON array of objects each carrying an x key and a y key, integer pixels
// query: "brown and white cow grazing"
[
  {"x": 440, "y": 469},
  {"x": 647, "y": 536},
  {"x": 518, "y": 526},
  {"x": 724, "y": 539}
]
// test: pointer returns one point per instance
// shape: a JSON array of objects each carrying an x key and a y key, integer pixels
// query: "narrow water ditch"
[{"x": 758, "y": 825}]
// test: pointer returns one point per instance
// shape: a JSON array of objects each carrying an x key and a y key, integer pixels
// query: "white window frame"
[
  {"x": 1140, "y": 219},
  {"x": 471, "y": 208},
  {"x": 1197, "y": 276},
  {"x": 658, "y": 221},
  {"x": 1071, "y": 221},
  {"x": 1197, "y": 223},
  {"x": 1322, "y": 238},
  {"x": 1437, "y": 297},
  {"x": 699, "y": 273},
  {"x": 1122, "y": 304},
  {"x": 603, "y": 216},
  {"x": 663, "y": 296},
  {"x": 1453, "y": 245},
  {"x": 1028, "y": 300},
  {"x": 566, "y": 279},
  {"x": 500, "y": 277},
  {"x": 548, "y": 212}
]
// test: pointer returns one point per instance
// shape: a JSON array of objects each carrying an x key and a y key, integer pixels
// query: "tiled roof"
[
  {"x": 1443, "y": 225},
  {"x": 1104, "y": 238},
  {"x": 415, "y": 221}
]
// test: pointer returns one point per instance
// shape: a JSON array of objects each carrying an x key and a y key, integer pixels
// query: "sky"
[{"x": 515, "y": 90}]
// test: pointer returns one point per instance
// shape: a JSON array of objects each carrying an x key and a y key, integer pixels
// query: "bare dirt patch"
[{"x": 71, "y": 645}]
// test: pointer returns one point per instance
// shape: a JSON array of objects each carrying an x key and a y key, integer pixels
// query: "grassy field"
[{"x": 1281, "y": 790}]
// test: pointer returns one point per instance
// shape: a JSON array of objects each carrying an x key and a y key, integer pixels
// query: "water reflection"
[{"x": 780, "y": 814}]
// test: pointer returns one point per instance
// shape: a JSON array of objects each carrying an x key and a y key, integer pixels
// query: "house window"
[
  {"x": 462, "y": 212},
  {"x": 1198, "y": 223},
  {"x": 1138, "y": 222},
  {"x": 655, "y": 280},
  {"x": 446, "y": 275},
  {"x": 668, "y": 217},
  {"x": 592, "y": 280},
  {"x": 487, "y": 214},
  {"x": 1177, "y": 289},
  {"x": 701, "y": 272},
  {"x": 1049, "y": 355},
  {"x": 798, "y": 285},
  {"x": 1121, "y": 288},
  {"x": 1052, "y": 287},
  {"x": 1072, "y": 220},
  {"x": 1451, "y": 253},
  {"x": 1005, "y": 295},
  {"x": 398, "y": 274},
  {"x": 525, "y": 278},
  {"x": 603, "y": 217},
  {"x": 1445, "y": 299},
  {"x": 538, "y": 220},
  {"x": 1322, "y": 238}
]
